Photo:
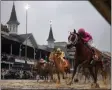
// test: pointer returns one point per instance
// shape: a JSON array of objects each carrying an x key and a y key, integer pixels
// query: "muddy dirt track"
[{"x": 33, "y": 84}]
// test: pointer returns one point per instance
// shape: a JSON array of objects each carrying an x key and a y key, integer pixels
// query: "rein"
[{"x": 75, "y": 41}]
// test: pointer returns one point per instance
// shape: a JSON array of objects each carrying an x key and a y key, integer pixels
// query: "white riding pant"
[{"x": 90, "y": 42}]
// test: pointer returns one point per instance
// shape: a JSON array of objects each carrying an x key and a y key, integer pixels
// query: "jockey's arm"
[
  {"x": 50, "y": 56},
  {"x": 86, "y": 39},
  {"x": 63, "y": 55}
]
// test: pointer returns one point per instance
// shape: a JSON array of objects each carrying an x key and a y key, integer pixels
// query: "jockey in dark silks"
[{"x": 87, "y": 39}]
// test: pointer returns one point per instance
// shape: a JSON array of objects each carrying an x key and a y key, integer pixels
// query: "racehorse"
[
  {"x": 106, "y": 72},
  {"x": 61, "y": 68},
  {"x": 84, "y": 56},
  {"x": 44, "y": 70}
]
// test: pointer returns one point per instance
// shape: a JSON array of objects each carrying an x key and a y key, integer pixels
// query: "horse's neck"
[
  {"x": 83, "y": 52},
  {"x": 80, "y": 48},
  {"x": 57, "y": 62}
]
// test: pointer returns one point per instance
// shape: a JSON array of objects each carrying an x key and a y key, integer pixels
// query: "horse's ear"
[{"x": 70, "y": 32}]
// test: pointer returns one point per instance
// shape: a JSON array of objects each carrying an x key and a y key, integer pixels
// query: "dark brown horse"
[
  {"x": 84, "y": 56},
  {"x": 106, "y": 72},
  {"x": 44, "y": 69}
]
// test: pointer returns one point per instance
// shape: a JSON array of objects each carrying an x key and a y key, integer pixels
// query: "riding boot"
[
  {"x": 92, "y": 62},
  {"x": 93, "y": 55}
]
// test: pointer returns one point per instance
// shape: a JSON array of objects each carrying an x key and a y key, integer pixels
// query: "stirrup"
[
  {"x": 91, "y": 62},
  {"x": 95, "y": 57}
]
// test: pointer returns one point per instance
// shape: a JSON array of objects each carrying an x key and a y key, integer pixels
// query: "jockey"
[
  {"x": 54, "y": 50},
  {"x": 51, "y": 55},
  {"x": 46, "y": 58},
  {"x": 88, "y": 40},
  {"x": 42, "y": 61},
  {"x": 62, "y": 54}
]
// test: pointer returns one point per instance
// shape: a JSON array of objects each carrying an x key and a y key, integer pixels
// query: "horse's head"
[{"x": 72, "y": 39}]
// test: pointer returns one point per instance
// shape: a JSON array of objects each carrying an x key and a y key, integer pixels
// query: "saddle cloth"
[{"x": 65, "y": 63}]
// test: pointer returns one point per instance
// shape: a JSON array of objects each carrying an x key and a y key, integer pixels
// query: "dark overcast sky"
[{"x": 65, "y": 16}]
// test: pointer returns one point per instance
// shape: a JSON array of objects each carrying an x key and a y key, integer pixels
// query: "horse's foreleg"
[
  {"x": 51, "y": 76},
  {"x": 58, "y": 74},
  {"x": 85, "y": 78},
  {"x": 47, "y": 77},
  {"x": 92, "y": 74},
  {"x": 63, "y": 76},
  {"x": 96, "y": 72},
  {"x": 74, "y": 72},
  {"x": 94, "y": 77},
  {"x": 103, "y": 76}
]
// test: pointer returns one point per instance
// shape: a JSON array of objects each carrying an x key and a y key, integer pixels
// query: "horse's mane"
[{"x": 80, "y": 38}]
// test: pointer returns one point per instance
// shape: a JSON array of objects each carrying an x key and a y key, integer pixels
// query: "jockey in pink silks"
[{"x": 88, "y": 40}]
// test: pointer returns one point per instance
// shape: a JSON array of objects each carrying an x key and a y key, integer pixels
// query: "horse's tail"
[{"x": 106, "y": 61}]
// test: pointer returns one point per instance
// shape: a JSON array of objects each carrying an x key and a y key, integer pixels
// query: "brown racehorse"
[
  {"x": 60, "y": 66},
  {"x": 83, "y": 56},
  {"x": 44, "y": 70},
  {"x": 106, "y": 72}
]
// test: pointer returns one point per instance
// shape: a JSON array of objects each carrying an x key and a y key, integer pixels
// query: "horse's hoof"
[
  {"x": 45, "y": 81},
  {"x": 95, "y": 85},
  {"x": 57, "y": 85},
  {"x": 65, "y": 78},
  {"x": 105, "y": 83},
  {"x": 76, "y": 80},
  {"x": 58, "y": 82},
  {"x": 69, "y": 83},
  {"x": 37, "y": 80}
]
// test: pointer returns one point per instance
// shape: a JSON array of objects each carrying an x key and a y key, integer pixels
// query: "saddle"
[
  {"x": 95, "y": 57},
  {"x": 65, "y": 63}
]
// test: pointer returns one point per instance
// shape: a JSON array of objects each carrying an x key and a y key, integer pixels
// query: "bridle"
[{"x": 75, "y": 40}]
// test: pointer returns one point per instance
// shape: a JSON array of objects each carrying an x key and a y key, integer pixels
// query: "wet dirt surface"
[{"x": 33, "y": 84}]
